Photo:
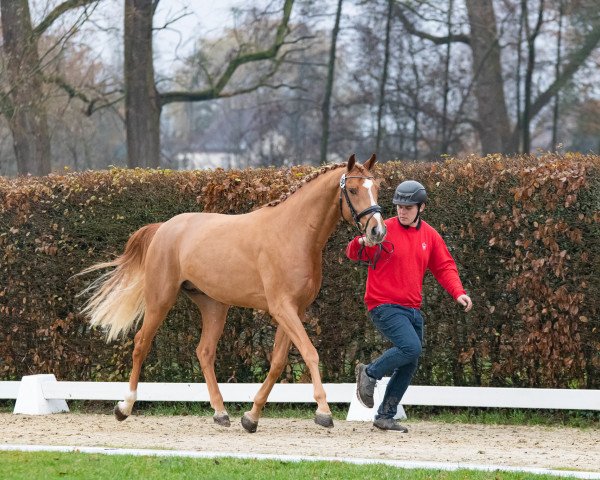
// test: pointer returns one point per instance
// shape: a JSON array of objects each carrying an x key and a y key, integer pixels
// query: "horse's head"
[{"x": 358, "y": 199}]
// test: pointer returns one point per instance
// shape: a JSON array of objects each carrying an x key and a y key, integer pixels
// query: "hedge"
[{"x": 524, "y": 232}]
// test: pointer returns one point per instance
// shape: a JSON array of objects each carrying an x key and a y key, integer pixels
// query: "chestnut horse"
[{"x": 269, "y": 259}]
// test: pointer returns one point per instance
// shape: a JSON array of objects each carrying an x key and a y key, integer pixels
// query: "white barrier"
[
  {"x": 31, "y": 399},
  {"x": 42, "y": 394},
  {"x": 359, "y": 413}
]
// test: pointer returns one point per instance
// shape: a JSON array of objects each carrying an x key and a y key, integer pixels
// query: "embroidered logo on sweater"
[{"x": 424, "y": 245}]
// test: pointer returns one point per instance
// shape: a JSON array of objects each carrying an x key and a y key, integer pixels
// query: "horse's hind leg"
[
  {"x": 160, "y": 297},
  {"x": 281, "y": 348},
  {"x": 214, "y": 315}
]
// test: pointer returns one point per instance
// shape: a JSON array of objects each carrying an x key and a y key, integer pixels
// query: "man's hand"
[
  {"x": 465, "y": 301},
  {"x": 365, "y": 241}
]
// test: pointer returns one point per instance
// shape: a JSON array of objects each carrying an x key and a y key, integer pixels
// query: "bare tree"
[
  {"x": 445, "y": 140},
  {"x": 587, "y": 43},
  {"x": 498, "y": 135},
  {"x": 329, "y": 84},
  {"x": 144, "y": 102},
  {"x": 531, "y": 37},
  {"x": 23, "y": 104},
  {"x": 495, "y": 135},
  {"x": 416, "y": 101},
  {"x": 557, "y": 67},
  {"x": 518, "y": 102},
  {"x": 384, "y": 73}
]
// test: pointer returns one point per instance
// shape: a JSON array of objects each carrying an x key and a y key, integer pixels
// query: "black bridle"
[{"x": 372, "y": 210}]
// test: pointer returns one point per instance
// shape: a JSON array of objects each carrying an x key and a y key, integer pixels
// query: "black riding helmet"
[{"x": 410, "y": 192}]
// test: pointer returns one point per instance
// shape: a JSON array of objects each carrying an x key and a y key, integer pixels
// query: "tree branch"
[
  {"x": 62, "y": 83},
  {"x": 576, "y": 59},
  {"x": 211, "y": 94},
  {"x": 57, "y": 12},
  {"x": 264, "y": 85},
  {"x": 410, "y": 28},
  {"x": 72, "y": 92},
  {"x": 216, "y": 90}
]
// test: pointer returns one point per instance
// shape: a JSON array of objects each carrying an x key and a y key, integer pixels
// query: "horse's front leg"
[
  {"x": 214, "y": 315},
  {"x": 288, "y": 319},
  {"x": 281, "y": 348}
]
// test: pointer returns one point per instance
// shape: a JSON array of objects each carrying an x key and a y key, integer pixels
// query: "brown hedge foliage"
[{"x": 524, "y": 232}]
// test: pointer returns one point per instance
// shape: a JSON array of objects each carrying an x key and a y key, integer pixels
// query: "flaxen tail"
[{"x": 117, "y": 301}]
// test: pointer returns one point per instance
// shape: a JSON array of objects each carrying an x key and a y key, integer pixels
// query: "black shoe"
[
  {"x": 389, "y": 424},
  {"x": 365, "y": 386}
]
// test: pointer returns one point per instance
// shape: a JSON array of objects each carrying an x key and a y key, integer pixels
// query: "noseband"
[{"x": 372, "y": 210}]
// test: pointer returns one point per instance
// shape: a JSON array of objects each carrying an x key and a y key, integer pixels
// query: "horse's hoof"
[
  {"x": 324, "y": 419},
  {"x": 222, "y": 420},
  {"x": 119, "y": 415},
  {"x": 248, "y": 424}
]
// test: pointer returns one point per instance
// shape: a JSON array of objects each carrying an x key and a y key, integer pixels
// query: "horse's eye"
[{"x": 353, "y": 191}]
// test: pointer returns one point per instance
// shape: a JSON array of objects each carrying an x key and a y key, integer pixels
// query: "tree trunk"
[
  {"x": 531, "y": 36},
  {"x": 386, "y": 61},
  {"x": 494, "y": 132},
  {"x": 445, "y": 131},
  {"x": 28, "y": 120},
  {"x": 518, "y": 130},
  {"x": 329, "y": 85},
  {"x": 555, "y": 111},
  {"x": 142, "y": 101},
  {"x": 416, "y": 96}
]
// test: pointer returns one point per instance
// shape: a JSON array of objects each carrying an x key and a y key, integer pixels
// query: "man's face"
[{"x": 407, "y": 214}]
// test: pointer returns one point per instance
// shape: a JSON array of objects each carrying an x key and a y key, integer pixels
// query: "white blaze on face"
[{"x": 368, "y": 184}]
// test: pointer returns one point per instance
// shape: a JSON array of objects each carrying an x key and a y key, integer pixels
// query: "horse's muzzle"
[{"x": 376, "y": 234}]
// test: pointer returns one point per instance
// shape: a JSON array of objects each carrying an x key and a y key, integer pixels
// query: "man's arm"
[{"x": 443, "y": 267}]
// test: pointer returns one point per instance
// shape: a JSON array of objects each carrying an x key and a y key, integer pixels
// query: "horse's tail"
[{"x": 117, "y": 300}]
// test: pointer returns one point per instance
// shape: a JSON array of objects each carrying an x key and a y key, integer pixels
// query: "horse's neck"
[{"x": 312, "y": 212}]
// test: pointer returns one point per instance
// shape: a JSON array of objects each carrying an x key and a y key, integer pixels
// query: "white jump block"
[
  {"x": 31, "y": 400},
  {"x": 358, "y": 413}
]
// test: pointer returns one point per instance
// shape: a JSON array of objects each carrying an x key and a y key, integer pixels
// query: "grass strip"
[{"x": 54, "y": 465}]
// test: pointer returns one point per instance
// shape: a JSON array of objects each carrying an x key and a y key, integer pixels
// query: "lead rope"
[{"x": 371, "y": 261}]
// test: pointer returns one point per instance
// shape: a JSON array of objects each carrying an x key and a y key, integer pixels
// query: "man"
[{"x": 394, "y": 293}]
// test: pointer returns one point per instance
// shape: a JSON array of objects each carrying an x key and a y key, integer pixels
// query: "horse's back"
[{"x": 189, "y": 229}]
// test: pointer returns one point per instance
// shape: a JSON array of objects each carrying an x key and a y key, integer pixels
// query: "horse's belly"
[{"x": 231, "y": 291}]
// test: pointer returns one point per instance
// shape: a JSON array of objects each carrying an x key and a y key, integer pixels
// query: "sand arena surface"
[{"x": 517, "y": 446}]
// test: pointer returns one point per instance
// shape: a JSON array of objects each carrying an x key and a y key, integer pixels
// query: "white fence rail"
[
  {"x": 9, "y": 390},
  {"x": 41, "y": 394},
  {"x": 194, "y": 392}
]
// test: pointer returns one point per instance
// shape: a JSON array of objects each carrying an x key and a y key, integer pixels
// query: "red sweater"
[{"x": 398, "y": 276}]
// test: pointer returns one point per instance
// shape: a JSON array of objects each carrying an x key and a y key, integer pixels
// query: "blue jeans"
[{"x": 404, "y": 328}]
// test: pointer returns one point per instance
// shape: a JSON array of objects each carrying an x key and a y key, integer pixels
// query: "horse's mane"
[{"x": 310, "y": 177}]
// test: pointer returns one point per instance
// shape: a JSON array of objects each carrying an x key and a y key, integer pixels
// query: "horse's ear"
[
  {"x": 370, "y": 162},
  {"x": 351, "y": 162}
]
